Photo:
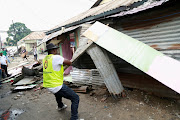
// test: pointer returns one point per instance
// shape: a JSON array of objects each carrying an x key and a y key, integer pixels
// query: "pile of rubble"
[{"x": 27, "y": 76}]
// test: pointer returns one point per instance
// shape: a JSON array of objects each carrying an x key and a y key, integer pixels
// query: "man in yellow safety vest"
[{"x": 53, "y": 80}]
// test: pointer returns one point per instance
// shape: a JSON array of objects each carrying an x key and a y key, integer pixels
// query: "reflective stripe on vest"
[{"x": 51, "y": 78}]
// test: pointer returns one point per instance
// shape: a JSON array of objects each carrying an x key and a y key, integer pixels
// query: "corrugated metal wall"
[
  {"x": 164, "y": 37},
  {"x": 158, "y": 28}
]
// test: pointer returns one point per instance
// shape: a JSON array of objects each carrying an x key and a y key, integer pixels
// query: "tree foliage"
[{"x": 16, "y": 32}]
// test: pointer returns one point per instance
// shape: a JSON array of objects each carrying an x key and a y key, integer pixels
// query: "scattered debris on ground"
[{"x": 24, "y": 92}]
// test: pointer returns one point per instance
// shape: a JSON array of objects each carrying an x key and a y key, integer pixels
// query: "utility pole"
[{"x": 15, "y": 35}]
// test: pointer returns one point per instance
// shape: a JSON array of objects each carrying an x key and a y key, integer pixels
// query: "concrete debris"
[
  {"x": 21, "y": 93},
  {"x": 15, "y": 98},
  {"x": 92, "y": 93},
  {"x": 109, "y": 115},
  {"x": 178, "y": 115},
  {"x": 15, "y": 113},
  {"x": 29, "y": 72},
  {"x": 11, "y": 114},
  {"x": 18, "y": 95},
  {"x": 24, "y": 76},
  {"x": 141, "y": 103},
  {"x": 104, "y": 98},
  {"x": 5, "y": 115}
]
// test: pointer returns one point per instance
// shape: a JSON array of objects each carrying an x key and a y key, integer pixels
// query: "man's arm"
[{"x": 67, "y": 62}]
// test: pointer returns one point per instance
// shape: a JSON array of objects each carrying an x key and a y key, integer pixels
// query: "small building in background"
[{"x": 33, "y": 39}]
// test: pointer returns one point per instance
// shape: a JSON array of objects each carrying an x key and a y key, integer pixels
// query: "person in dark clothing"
[
  {"x": 35, "y": 52},
  {"x": 5, "y": 54},
  {"x": 24, "y": 52}
]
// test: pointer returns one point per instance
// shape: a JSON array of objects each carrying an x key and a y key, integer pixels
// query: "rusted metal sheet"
[
  {"x": 147, "y": 5},
  {"x": 160, "y": 29}
]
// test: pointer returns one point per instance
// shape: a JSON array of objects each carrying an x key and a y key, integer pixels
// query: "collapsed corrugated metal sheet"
[
  {"x": 106, "y": 69},
  {"x": 154, "y": 63},
  {"x": 86, "y": 77},
  {"x": 102, "y": 10},
  {"x": 25, "y": 81}
]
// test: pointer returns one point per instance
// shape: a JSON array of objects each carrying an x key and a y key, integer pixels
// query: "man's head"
[{"x": 51, "y": 48}]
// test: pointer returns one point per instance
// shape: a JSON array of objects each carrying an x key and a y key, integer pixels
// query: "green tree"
[
  {"x": 8, "y": 41},
  {"x": 16, "y": 32}
]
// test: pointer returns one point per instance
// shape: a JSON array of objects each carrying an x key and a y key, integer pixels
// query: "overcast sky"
[{"x": 39, "y": 15}]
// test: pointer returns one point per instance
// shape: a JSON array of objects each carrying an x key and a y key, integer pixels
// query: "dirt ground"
[{"x": 41, "y": 105}]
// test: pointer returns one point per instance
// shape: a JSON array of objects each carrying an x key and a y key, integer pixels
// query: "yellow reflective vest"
[{"x": 51, "y": 78}]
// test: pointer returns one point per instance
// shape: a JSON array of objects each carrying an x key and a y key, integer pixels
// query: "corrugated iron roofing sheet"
[
  {"x": 98, "y": 10},
  {"x": 55, "y": 34},
  {"x": 34, "y": 36},
  {"x": 147, "y": 5}
]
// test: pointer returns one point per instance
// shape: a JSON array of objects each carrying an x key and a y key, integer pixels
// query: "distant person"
[
  {"x": 12, "y": 55},
  {"x": 4, "y": 63},
  {"x": 24, "y": 53},
  {"x": 41, "y": 50},
  {"x": 35, "y": 52},
  {"x": 5, "y": 54}
]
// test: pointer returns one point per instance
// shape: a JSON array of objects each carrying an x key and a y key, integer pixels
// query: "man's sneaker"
[
  {"x": 64, "y": 107},
  {"x": 9, "y": 75}
]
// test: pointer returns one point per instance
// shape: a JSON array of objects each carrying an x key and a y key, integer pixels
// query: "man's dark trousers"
[
  {"x": 68, "y": 93},
  {"x": 5, "y": 69}
]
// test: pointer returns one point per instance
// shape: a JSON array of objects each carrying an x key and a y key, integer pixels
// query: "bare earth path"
[{"x": 40, "y": 105}]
